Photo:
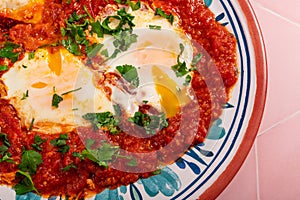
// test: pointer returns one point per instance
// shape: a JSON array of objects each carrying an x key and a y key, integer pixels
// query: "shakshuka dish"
[{"x": 96, "y": 94}]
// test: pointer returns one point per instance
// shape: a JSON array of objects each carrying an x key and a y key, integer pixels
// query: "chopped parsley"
[
  {"x": 151, "y": 123},
  {"x": 31, "y": 55},
  {"x": 71, "y": 91},
  {"x": 68, "y": 167},
  {"x": 61, "y": 143},
  {"x": 28, "y": 166},
  {"x": 25, "y": 185},
  {"x": 30, "y": 161},
  {"x": 56, "y": 99},
  {"x": 154, "y": 27},
  {"x": 9, "y": 51},
  {"x": 31, "y": 124},
  {"x": 105, "y": 120},
  {"x": 37, "y": 142},
  {"x": 6, "y": 156},
  {"x": 129, "y": 73},
  {"x": 124, "y": 39},
  {"x": 25, "y": 95},
  {"x": 3, "y": 67},
  {"x": 196, "y": 59},
  {"x": 161, "y": 13}
]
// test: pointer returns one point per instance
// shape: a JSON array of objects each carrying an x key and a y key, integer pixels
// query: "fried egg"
[{"x": 32, "y": 83}]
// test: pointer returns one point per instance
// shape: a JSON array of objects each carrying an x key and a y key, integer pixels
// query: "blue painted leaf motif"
[
  {"x": 225, "y": 24},
  {"x": 207, "y": 2},
  {"x": 135, "y": 193},
  {"x": 108, "y": 195},
  {"x": 28, "y": 196},
  {"x": 193, "y": 154},
  {"x": 220, "y": 17},
  {"x": 227, "y": 105},
  {"x": 216, "y": 132},
  {"x": 123, "y": 189},
  {"x": 181, "y": 163},
  {"x": 205, "y": 152},
  {"x": 167, "y": 183},
  {"x": 52, "y": 198}
]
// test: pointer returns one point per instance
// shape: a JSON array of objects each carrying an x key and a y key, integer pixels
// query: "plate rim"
[{"x": 258, "y": 108}]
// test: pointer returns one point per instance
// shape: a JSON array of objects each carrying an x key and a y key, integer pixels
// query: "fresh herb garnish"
[
  {"x": 78, "y": 155},
  {"x": 180, "y": 68},
  {"x": 129, "y": 73},
  {"x": 31, "y": 124},
  {"x": 196, "y": 59},
  {"x": 61, "y": 143},
  {"x": 124, "y": 39},
  {"x": 56, "y": 99},
  {"x": 102, "y": 155},
  {"x": 3, "y": 68},
  {"x": 71, "y": 91},
  {"x": 6, "y": 156},
  {"x": 104, "y": 120},
  {"x": 134, "y": 6},
  {"x": 132, "y": 163},
  {"x": 31, "y": 55},
  {"x": 154, "y": 27},
  {"x": 37, "y": 142},
  {"x": 68, "y": 167},
  {"x": 188, "y": 79},
  {"x": 30, "y": 161},
  {"x": 24, "y": 66},
  {"x": 26, "y": 185},
  {"x": 151, "y": 123},
  {"x": 161, "y": 13},
  {"x": 25, "y": 95},
  {"x": 9, "y": 51}
]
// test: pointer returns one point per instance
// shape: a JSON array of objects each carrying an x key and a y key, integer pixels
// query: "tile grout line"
[
  {"x": 277, "y": 14},
  {"x": 278, "y": 123},
  {"x": 256, "y": 169}
]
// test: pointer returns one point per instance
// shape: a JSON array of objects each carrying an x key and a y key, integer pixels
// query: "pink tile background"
[{"x": 272, "y": 168}]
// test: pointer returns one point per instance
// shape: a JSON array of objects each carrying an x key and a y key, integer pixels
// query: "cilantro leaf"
[
  {"x": 3, "y": 67},
  {"x": 26, "y": 185},
  {"x": 104, "y": 120},
  {"x": 129, "y": 73},
  {"x": 8, "y": 51},
  {"x": 30, "y": 161},
  {"x": 102, "y": 155},
  {"x": 161, "y": 13},
  {"x": 56, "y": 99},
  {"x": 37, "y": 142},
  {"x": 6, "y": 156},
  {"x": 68, "y": 167},
  {"x": 25, "y": 95},
  {"x": 134, "y": 6},
  {"x": 154, "y": 27},
  {"x": 61, "y": 143},
  {"x": 151, "y": 123},
  {"x": 196, "y": 59}
]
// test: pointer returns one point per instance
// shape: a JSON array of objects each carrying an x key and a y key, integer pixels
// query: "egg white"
[{"x": 154, "y": 48}]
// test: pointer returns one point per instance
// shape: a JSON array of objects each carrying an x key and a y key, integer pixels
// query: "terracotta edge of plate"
[{"x": 260, "y": 97}]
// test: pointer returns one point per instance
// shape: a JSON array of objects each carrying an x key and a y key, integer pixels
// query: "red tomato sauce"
[{"x": 88, "y": 177}]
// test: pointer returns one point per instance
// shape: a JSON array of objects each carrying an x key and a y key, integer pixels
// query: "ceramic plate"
[{"x": 206, "y": 169}]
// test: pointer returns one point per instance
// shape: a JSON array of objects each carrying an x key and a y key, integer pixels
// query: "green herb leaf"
[
  {"x": 188, "y": 79},
  {"x": 104, "y": 120},
  {"x": 196, "y": 59},
  {"x": 31, "y": 124},
  {"x": 150, "y": 123},
  {"x": 134, "y": 6},
  {"x": 132, "y": 163},
  {"x": 129, "y": 73},
  {"x": 37, "y": 142},
  {"x": 31, "y": 55},
  {"x": 94, "y": 50},
  {"x": 71, "y": 91},
  {"x": 78, "y": 155},
  {"x": 25, "y": 95},
  {"x": 154, "y": 27},
  {"x": 102, "y": 155},
  {"x": 104, "y": 53},
  {"x": 3, "y": 67},
  {"x": 61, "y": 143},
  {"x": 68, "y": 167},
  {"x": 30, "y": 160},
  {"x": 8, "y": 51},
  {"x": 26, "y": 185},
  {"x": 56, "y": 99},
  {"x": 161, "y": 13}
]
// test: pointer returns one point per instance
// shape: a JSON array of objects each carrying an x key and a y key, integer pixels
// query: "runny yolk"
[
  {"x": 55, "y": 62},
  {"x": 167, "y": 89}
]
